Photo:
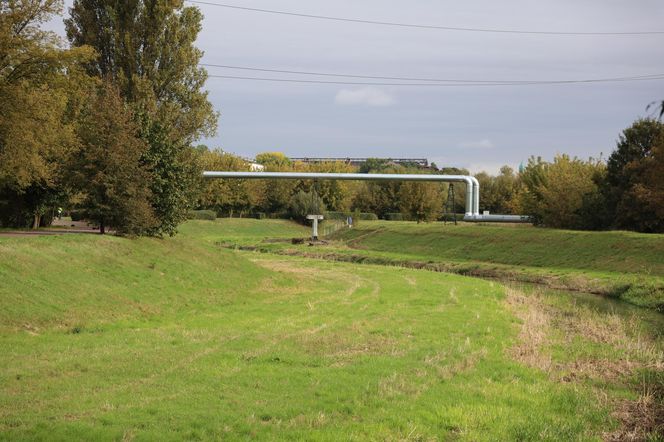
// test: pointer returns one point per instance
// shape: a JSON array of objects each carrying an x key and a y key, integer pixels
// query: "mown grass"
[
  {"x": 104, "y": 338},
  {"x": 626, "y": 265}
]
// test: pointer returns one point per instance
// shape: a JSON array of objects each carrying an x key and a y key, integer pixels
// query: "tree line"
[
  {"x": 626, "y": 191},
  {"x": 106, "y": 125}
]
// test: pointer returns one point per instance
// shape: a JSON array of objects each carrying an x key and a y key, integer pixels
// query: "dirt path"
[{"x": 59, "y": 227}]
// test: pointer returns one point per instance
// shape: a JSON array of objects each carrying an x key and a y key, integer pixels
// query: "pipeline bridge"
[{"x": 472, "y": 186}]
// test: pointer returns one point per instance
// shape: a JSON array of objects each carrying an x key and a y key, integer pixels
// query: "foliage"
[
  {"x": 41, "y": 88},
  {"x": 421, "y": 201},
  {"x": 631, "y": 169},
  {"x": 108, "y": 168},
  {"x": 374, "y": 165},
  {"x": 207, "y": 215},
  {"x": 498, "y": 192},
  {"x": 553, "y": 193},
  {"x": 174, "y": 176},
  {"x": 306, "y": 203},
  {"x": 273, "y": 159},
  {"x": 229, "y": 196},
  {"x": 395, "y": 217},
  {"x": 146, "y": 47}
]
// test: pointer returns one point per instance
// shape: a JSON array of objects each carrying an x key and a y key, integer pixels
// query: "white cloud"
[
  {"x": 481, "y": 144},
  {"x": 366, "y": 96}
]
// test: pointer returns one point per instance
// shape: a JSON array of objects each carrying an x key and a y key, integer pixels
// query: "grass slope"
[
  {"x": 104, "y": 338},
  {"x": 624, "y": 264}
]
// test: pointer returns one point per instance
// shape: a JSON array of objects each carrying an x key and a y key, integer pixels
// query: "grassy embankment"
[
  {"x": 104, "y": 338},
  {"x": 625, "y": 265}
]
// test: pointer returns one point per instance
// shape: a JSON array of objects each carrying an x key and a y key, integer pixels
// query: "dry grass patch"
[
  {"x": 543, "y": 326},
  {"x": 535, "y": 327}
]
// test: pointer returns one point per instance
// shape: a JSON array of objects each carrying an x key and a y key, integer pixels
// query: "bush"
[
  {"x": 76, "y": 215},
  {"x": 207, "y": 215},
  {"x": 337, "y": 216},
  {"x": 364, "y": 216},
  {"x": 279, "y": 215},
  {"x": 303, "y": 204},
  {"x": 394, "y": 216}
]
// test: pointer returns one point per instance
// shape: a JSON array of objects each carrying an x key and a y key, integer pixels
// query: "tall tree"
[
  {"x": 625, "y": 169},
  {"x": 108, "y": 169},
  {"x": 147, "y": 48},
  {"x": 41, "y": 90}
]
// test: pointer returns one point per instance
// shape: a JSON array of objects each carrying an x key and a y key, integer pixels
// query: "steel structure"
[{"x": 472, "y": 186}]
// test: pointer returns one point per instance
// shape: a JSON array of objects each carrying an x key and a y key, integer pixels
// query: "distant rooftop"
[{"x": 420, "y": 162}]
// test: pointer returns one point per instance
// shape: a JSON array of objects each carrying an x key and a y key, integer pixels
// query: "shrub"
[
  {"x": 303, "y": 204},
  {"x": 394, "y": 216},
  {"x": 207, "y": 215},
  {"x": 364, "y": 216},
  {"x": 76, "y": 215}
]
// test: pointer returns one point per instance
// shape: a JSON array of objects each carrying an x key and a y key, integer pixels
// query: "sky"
[{"x": 476, "y": 127}]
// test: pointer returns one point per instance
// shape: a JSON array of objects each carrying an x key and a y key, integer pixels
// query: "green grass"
[
  {"x": 618, "y": 251},
  {"x": 104, "y": 338},
  {"x": 626, "y": 265}
]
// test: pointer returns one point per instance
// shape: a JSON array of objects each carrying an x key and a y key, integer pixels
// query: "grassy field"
[
  {"x": 104, "y": 338},
  {"x": 625, "y": 265}
]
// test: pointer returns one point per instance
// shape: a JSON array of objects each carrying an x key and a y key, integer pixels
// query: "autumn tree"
[
  {"x": 146, "y": 47},
  {"x": 627, "y": 168},
  {"x": 420, "y": 201},
  {"x": 230, "y": 196},
  {"x": 498, "y": 191},
  {"x": 553, "y": 193},
  {"x": 41, "y": 91},
  {"x": 109, "y": 170}
]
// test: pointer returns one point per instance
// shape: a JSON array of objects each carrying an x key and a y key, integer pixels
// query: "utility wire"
[
  {"x": 290, "y": 80},
  {"x": 420, "y": 26},
  {"x": 432, "y": 80}
]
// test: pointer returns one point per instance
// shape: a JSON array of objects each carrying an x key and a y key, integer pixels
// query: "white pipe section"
[{"x": 472, "y": 186}]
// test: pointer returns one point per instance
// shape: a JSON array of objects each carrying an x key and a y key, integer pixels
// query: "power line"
[
  {"x": 433, "y": 80},
  {"x": 353, "y": 83},
  {"x": 420, "y": 26}
]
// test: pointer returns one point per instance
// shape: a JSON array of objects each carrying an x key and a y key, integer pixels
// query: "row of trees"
[
  {"x": 105, "y": 125},
  {"x": 417, "y": 201},
  {"x": 624, "y": 192}
]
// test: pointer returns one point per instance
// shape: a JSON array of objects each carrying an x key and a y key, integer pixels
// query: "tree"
[
  {"x": 498, "y": 191},
  {"x": 146, "y": 47},
  {"x": 626, "y": 168},
  {"x": 553, "y": 193},
  {"x": 420, "y": 201},
  {"x": 648, "y": 191},
  {"x": 229, "y": 196},
  {"x": 306, "y": 203},
  {"x": 41, "y": 91},
  {"x": 273, "y": 159},
  {"x": 108, "y": 169}
]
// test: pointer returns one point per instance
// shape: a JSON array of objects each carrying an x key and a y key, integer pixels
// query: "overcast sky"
[{"x": 480, "y": 127}]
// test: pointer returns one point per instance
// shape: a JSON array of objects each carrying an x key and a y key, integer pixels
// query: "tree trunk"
[
  {"x": 102, "y": 227},
  {"x": 36, "y": 221}
]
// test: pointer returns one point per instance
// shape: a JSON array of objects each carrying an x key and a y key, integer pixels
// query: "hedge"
[
  {"x": 394, "y": 217},
  {"x": 342, "y": 216},
  {"x": 207, "y": 215}
]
